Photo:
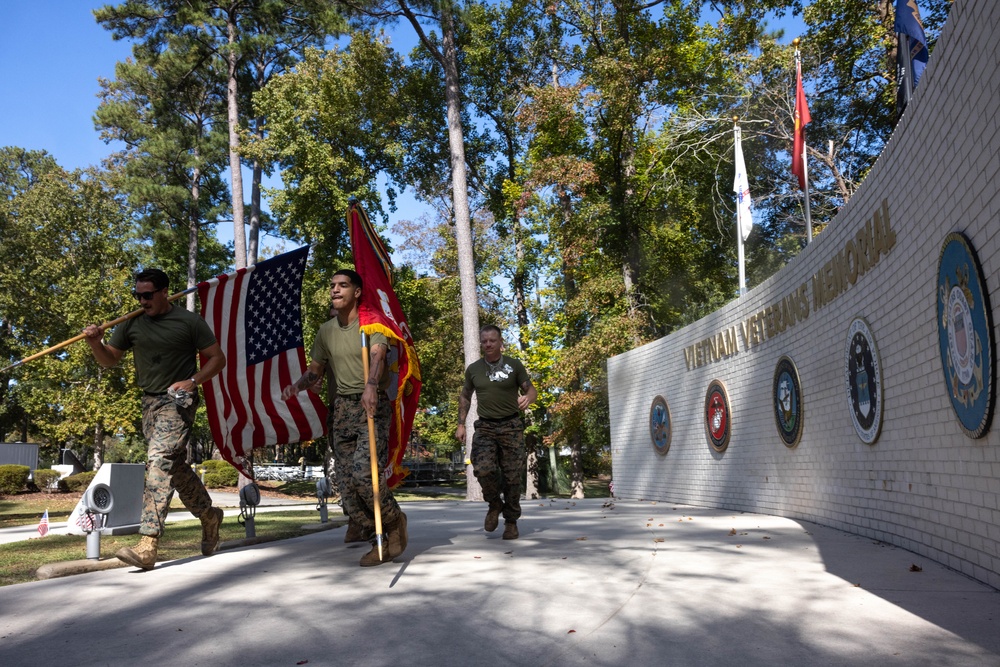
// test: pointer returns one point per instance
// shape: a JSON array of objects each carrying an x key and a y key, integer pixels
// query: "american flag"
[
  {"x": 256, "y": 314},
  {"x": 43, "y": 525},
  {"x": 88, "y": 521}
]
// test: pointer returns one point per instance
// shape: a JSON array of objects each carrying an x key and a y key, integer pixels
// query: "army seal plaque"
[
  {"x": 965, "y": 334},
  {"x": 660, "y": 429},
  {"x": 863, "y": 373},
  {"x": 787, "y": 396}
]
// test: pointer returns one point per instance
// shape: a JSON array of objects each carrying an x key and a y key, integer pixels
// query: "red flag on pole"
[
  {"x": 256, "y": 315},
  {"x": 802, "y": 118},
  {"x": 379, "y": 310}
]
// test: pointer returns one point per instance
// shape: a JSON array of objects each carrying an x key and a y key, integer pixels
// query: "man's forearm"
[
  {"x": 464, "y": 405},
  {"x": 307, "y": 380},
  {"x": 377, "y": 366}
]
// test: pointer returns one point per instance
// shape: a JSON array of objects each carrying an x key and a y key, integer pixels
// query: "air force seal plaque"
[
  {"x": 787, "y": 397},
  {"x": 660, "y": 429},
  {"x": 965, "y": 334},
  {"x": 718, "y": 417},
  {"x": 863, "y": 373}
]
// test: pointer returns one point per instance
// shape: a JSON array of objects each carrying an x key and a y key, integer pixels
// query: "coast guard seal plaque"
[
  {"x": 863, "y": 373},
  {"x": 787, "y": 396},
  {"x": 660, "y": 429},
  {"x": 965, "y": 334},
  {"x": 718, "y": 417}
]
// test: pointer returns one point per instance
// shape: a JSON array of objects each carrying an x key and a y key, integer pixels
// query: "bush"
[
  {"x": 45, "y": 479},
  {"x": 219, "y": 474},
  {"x": 13, "y": 479},
  {"x": 79, "y": 482}
]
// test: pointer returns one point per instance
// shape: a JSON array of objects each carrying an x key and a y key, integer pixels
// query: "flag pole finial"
[
  {"x": 736, "y": 120},
  {"x": 795, "y": 42}
]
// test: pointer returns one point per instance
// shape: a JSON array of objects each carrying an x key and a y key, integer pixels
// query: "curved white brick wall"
[{"x": 924, "y": 485}]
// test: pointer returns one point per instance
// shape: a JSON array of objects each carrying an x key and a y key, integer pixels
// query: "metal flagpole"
[
  {"x": 372, "y": 453},
  {"x": 805, "y": 151},
  {"x": 737, "y": 139},
  {"x": 105, "y": 326},
  {"x": 904, "y": 66}
]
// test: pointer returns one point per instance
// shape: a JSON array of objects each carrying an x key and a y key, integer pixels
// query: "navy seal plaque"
[
  {"x": 863, "y": 373},
  {"x": 718, "y": 416},
  {"x": 660, "y": 430},
  {"x": 787, "y": 396},
  {"x": 965, "y": 334}
]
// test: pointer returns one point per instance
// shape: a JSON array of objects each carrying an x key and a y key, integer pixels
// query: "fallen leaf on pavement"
[
  {"x": 732, "y": 532},
  {"x": 580, "y": 539},
  {"x": 916, "y": 568},
  {"x": 657, "y": 539}
]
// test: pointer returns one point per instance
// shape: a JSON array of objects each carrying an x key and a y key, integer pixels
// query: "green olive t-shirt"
[
  {"x": 496, "y": 390},
  {"x": 164, "y": 346},
  {"x": 339, "y": 348}
]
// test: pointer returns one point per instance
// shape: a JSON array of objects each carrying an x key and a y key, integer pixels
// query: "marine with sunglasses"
[{"x": 166, "y": 341}]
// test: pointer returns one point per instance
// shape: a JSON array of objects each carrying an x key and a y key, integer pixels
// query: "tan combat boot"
[
  {"x": 210, "y": 522},
  {"x": 354, "y": 532},
  {"x": 492, "y": 518},
  {"x": 510, "y": 530},
  {"x": 394, "y": 544},
  {"x": 397, "y": 539},
  {"x": 371, "y": 558},
  {"x": 143, "y": 555}
]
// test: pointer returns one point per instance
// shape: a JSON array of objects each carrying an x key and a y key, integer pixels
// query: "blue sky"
[{"x": 52, "y": 53}]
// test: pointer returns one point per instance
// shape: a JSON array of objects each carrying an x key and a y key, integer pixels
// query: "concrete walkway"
[{"x": 630, "y": 583}]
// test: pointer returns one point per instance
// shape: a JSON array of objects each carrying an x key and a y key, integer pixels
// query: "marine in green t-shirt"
[
  {"x": 166, "y": 342},
  {"x": 503, "y": 389},
  {"x": 356, "y": 402},
  {"x": 164, "y": 346}
]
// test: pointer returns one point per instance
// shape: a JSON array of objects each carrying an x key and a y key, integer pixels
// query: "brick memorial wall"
[{"x": 920, "y": 477}]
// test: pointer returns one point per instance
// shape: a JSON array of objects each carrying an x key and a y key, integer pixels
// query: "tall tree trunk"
[
  {"x": 193, "y": 223},
  {"x": 633, "y": 249},
  {"x": 235, "y": 170},
  {"x": 98, "y": 445},
  {"x": 521, "y": 310},
  {"x": 463, "y": 224},
  {"x": 569, "y": 264},
  {"x": 253, "y": 241}
]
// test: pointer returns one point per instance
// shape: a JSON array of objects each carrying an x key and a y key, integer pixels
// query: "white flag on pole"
[{"x": 741, "y": 186}]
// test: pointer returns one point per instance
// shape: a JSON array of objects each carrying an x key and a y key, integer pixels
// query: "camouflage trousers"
[
  {"x": 167, "y": 429},
  {"x": 352, "y": 469},
  {"x": 499, "y": 462}
]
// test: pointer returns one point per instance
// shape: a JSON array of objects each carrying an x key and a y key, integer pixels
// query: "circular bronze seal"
[
  {"x": 965, "y": 335},
  {"x": 660, "y": 427},
  {"x": 718, "y": 417},
  {"x": 786, "y": 394},
  {"x": 863, "y": 375}
]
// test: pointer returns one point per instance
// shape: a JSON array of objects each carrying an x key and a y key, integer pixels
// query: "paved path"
[{"x": 638, "y": 583}]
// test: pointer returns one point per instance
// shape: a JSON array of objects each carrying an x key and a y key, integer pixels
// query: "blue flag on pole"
[{"x": 908, "y": 23}]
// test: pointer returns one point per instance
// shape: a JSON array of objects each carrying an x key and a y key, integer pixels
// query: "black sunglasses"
[{"x": 145, "y": 296}]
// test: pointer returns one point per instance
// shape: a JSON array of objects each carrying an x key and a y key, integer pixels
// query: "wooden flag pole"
[
  {"x": 372, "y": 453},
  {"x": 105, "y": 326}
]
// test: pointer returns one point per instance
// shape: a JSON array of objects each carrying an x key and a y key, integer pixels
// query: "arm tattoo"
[
  {"x": 464, "y": 403},
  {"x": 307, "y": 380}
]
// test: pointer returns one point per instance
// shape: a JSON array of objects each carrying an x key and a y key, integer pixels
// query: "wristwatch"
[{"x": 193, "y": 381}]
